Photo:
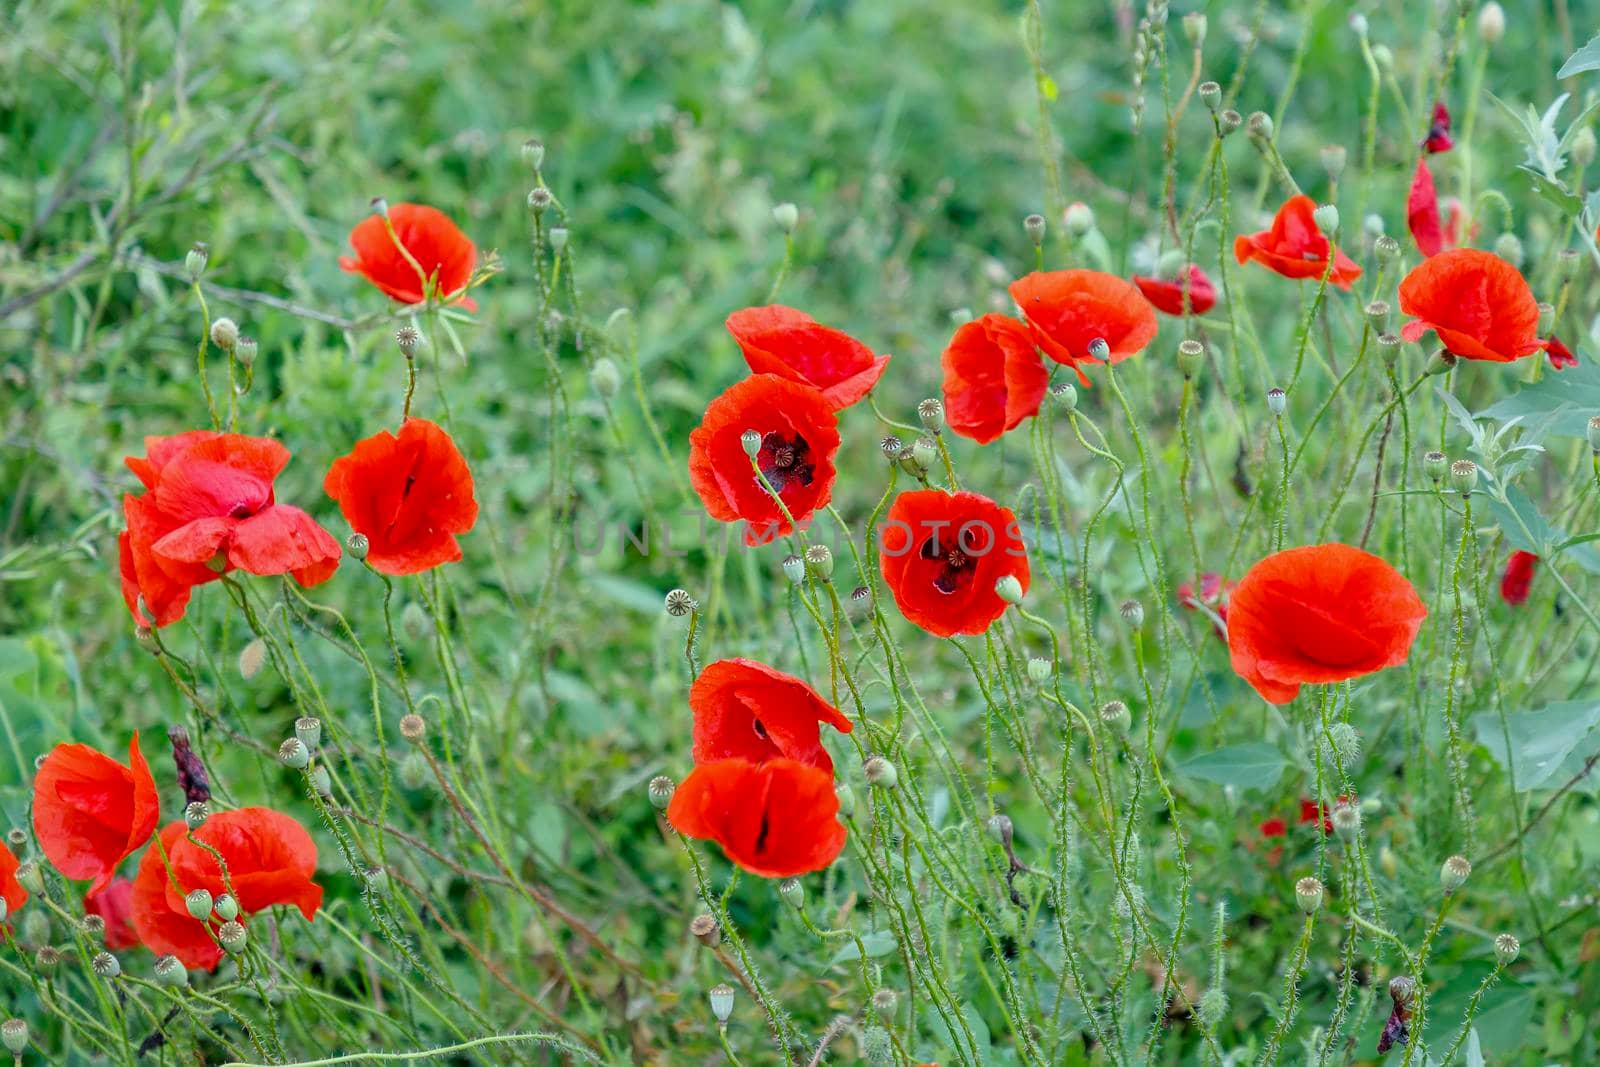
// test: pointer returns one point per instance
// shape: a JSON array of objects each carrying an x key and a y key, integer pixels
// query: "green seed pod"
[
  {"x": 171, "y": 973},
  {"x": 1009, "y": 589},
  {"x": 1191, "y": 357},
  {"x": 1453, "y": 875},
  {"x": 226, "y": 907},
  {"x": 198, "y": 903},
  {"x": 1210, "y": 94},
  {"x": 233, "y": 938},
  {"x": 787, "y": 216},
  {"x": 792, "y": 892},
  {"x": 294, "y": 754},
  {"x": 1463, "y": 476},
  {"x": 881, "y": 773},
  {"x": 1308, "y": 894},
  {"x": 660, "y": 790},
  {"x": 819, "y": 561}
]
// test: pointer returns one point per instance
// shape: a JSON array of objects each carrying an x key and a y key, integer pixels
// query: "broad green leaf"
[
  {"x": 1255, "y": 765},
  {"x": 1585, "y": 58},
  {"x": 1530, "y": 531},
  {"x": 1571, "y": 395},
  {"x": 878, "y": 943},
  {"x": 1541, "y": 741},
  {"x": 1472, "y": 1054}
]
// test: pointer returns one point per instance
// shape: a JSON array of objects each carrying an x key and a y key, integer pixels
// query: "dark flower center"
[
  {"x": 242, "y": 511},
  {"x": 783, "y": 461},
  {"x": 955, "y": 565}
]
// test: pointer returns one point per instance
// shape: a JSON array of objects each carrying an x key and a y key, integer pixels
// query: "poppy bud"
[
  {"x": 847, "y": 799},
  {"x": 880, "y": 772},
  {"x": 1383, "y": 55},
  {"x": 1100, "y": 350},
  {"x": 1000, "y": 828},
  {"x": 245, "y": 351},
  {"x": 1583, "y": 147},
  {"x": 1229, "y": 121},
  {"x": 558, "y": 239},
  {"x": 1213, "y": 1006},
  {"x": 322, "y": 781},
  {"x": 892, "y": 446},
  {"x": 819, "y": 561},
  {"x": 1308, "y": 894},
  {"x": 294, "y": 754},
  {"x": 379, "y": 207},
  {"x": 1547, "y": 316},
  {"x": 1326, "y": 217},
  {"x": 1007, "y": 588},
  {"x": 1194, "y": 28},
  {"x": 1116, "y": 717},
  {"x": 1440, "y": 362},
  {"x": 533, "y": 153},
  {"x": 1401, "y": 987},
  {"x": 1506, "y": 949},
  {"x": 1593, "y": 432},
  {"x": 1065, "y": 394},
  {"x": 357, "y": 546},
  {"x": 1039, "y": 670},
  {"x": 195, "y": 814},
  {"x": 1334, "y": 157},
  {"x": 1358, "y": 24},
  {"x": 1210, "y": 95},
  {"x": 408, "y": 338},
  {"x": 171, "y": 973},
  {"x": 704, "y": 929},
  {"x": 14, "y": 1033},
  {"x": 792, "y": 892},
  {"x": 787, "y": 216},
  {"x": 1435, "y": 465},
  {"x": 414, "y": 773},
  {"x": 1463, "y": 476},
  {"x": 413, "y": 728},
  {"x": 1453, "y": 875},
  {"x": 34, "y": 929},
  {"x": 232, "y": 937},
  {"x": 226, "y": 907},
  {"x": 194, "y": 264},
  {"x": 1033, "y": 226},
  {"x": 94, "y": 926},
  {"x": 1132, "y": 613},
  {"x": 924, "y": 452},
  {"x": 794, "y": 569},
  {"x": 1343, "y": 745},
  {"x": 198, "y": 903},
  {"x": 106, "y": 965},
  {"x": 1277, "y": 400},
  {"x": 47, "y": 959},
  {"x": 1508, "y": 246},
  {"x": 750, "y": 441},
  {"x": 660, "y": 791},
  {"x": 309, "y": 730},
  {"x": 30, "y": 877},
  {"x": 1378, "y": 315},
  {"x": 884, "y": 1001},
  {"x": 1259, "y": 126},
  {"x": 1078, "y": 218},
  {"x": 679, "y": 603},
  {"x": 1346, "y": 819},
  {"x": 1389, "y": 348},
  {"x": 721, "y": 997},
  {"x": 605, "y": 378},
  {"x": 1373, "y": 225},
  {"x": 1387, "y": 249},
  {"x": 1567, "y": 264},
  {"x": 1491, "y": 23},
  {"x": 225, "y": 334},
  {"x": 1191, "y": 354},
  {"x": 931, "y": 414},
  {"x": 539, "y": 199}
]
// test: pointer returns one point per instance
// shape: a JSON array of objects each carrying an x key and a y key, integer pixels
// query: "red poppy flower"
[
  {"x": 410, "y": 495},
  {"x": 1321, "y": 613},
  {"x": 1274, "y": 828},
  {"x": 11, "y": 890},
  {"x": 114, "y": 905},
  {"x": 1212, "y": 595},
  {"x": 444, "y": 253},
  {"x": 1311, "y": 811},
  {"x": 270, "y": 860},
  {"x": 1295, "y": 248},
  {"x": 1438, "y": 139},
  {"x": 1561, "y": 357},
  {"x": 799, "y": 436},
  {"x": 1476, "y": 302},
  {"x": 91, "y": 812},
  {"x": 993, "y": 378},
  {"x": 210, "y": 509},
  {"x": 791, "y": 344},
  {"x": 1518, "y": 577},
  {"x": 1166, "y": 294},
  {"x": 748, "y": 710},
  {"x": 775, "y": 819},
  {"x": 941, "y": 554},
  {"x": 1422, "y": 213},
  {"x": 1068, "y": 310}
]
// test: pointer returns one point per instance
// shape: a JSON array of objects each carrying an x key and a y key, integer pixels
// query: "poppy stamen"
[{"x": 782, "y": 460}]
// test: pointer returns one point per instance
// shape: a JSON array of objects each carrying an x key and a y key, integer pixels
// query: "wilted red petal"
[
  {"x": 1295, "y": 248},
  {"x": 1518, "y": 578},
  {"x": 11, "y": 890},
  {"x": 1167, "y": 294},
  {"x": 1561, "y": 357},
  {"x": 1422, "y": 212}
]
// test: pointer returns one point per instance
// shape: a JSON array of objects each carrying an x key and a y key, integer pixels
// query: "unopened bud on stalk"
[
  {"x": 1191, "y": 355},
  {"x": 679, "y": 603},
  {"x": 1372, "y": 225},
  {"x": 1593, "y": 433},
  {"x": 847, "y": 799},
  {"x": 1334, "y": 157},
  {"x": 1308, "y": 894},
  {"x": 1078, "y": 218},
  {"x": 171, "y": 973},
  {"x": 1039, "y": 670},
  {"x": 1453, "y": 875},
  {"x": 930, "y": 413},
  {"x": 1000, "y": 828},
  {"x": 413, "y": 728},
  {"x": 414, "y": 773},
  {"x": 1383, "y": 55},
  {"x": 198, "y": 904},
  {"x": 1491, "y": 23},
  {"x": 1213, "y": 1006},
  {"x": 924, "y": 452},
  {"x": 1033, "y": 226},
  {"x": 1387, "y": 250},
  {"x": 1229, "y": 121},
  {"x": 379, "y": 207},
  {"x": 1436, "y": 465},
  {"x": 194, "y": 264},
  {"x": 1378, "y": 316},
  {"x": 1132, "y": 613},
  {"x": 1009, "y": 589},
  {"x": 660, "y": 791},
  {"x": 294, "y": 754},
  {"x": 225, "y": 334},
  {"x": 106, "y": 965},
  {"x": 533, "y": 153},
  {"x": 1583, "y": 147},
  {"x": 1065, "y": 394},
  {"x": 1259, "y": 125},
  {"x": 1116, "y": 717},
  {"x": 1326, "y": 217},
  {"x": 721, "y": 998},
  {"x": 884, "y": 1001},
  {"x": 539, "y": 199},
  {"x": 792, "y": 892},
  {"x": 704, "y": 929},
  {"x": 1506, "y": 949},
  {"x": 819, "y": 561},
  {"x": 308, "y": 729},
  {"x": 787, "y": 216},
  {"x": 226, "y": 907},
  {"x": 1440, "y": 362},
  {"x": 34, "y": 929},
  {"x": 1508, "y": 246},
  {"x": 794, "y": 569},
  {"x": 1210, "y": 95},
  {"x": 881, "y": 773},
  {"x": 14, "y": 1034},
  {"x": 1346, "y": 819},
  {"x": 1277, "y": 400},
  {"x": 1358, "y": 24},
  {"x": 30, "y": 876},
  {"x": 1194, "y": 28},
  {"x": 195, "y": 814},
  {"x": 233, "y": 937},
  {"x": 605, "y": 378},
  {"x": 1464, "y": 476}
]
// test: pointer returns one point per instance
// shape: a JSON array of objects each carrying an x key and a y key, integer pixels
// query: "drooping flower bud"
[
  {"x": 1453, "y": 875},
  {"x": 847, "y": 799},
  {"x": 605, "y": 378},
  {"x": 660, "y": 791},
  {"x": 881, "y": 773},
  {"x": 1308, "y": 894},
  {"x": 1508, "y": 246}
]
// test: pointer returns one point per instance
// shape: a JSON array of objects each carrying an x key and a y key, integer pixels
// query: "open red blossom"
[
  {"x": 409, "y": 494},
  {"x": 1479, "y": 305},
  {"x": 1422, "y": 213},
  {"x": 1438, "y": 139},
  {"x": 91, "y": 812},
  {"x": 799, "y": 436},
  {"x": 1274, "y": 828},
  {"x": 444, "y": 253},
  {"x": 1321, "y": 613},
  {"x": 1561, "y": 357},
  {"x": 1311, "y": 811},
  {"x": 270, "y": 860},
  {"x": 1167, "y": 294},
  {"x": 11, "y": 890},
  {"x": 1295, "y": 248},
  {"x": 1212, "y": 595},
  {"x": 791, "y": 344},
  {"x": 993, "y": 378},
  {"x": 1518, "y": 578},
  {"x": 748, "y": 710},
  {"x": 114, "y": 905},
  {"x": 942, "y": 553},
  {"x": 1068, "y": 310},
  {"x": 210, "y": 509},
  {"x": 776, "y": 819}
]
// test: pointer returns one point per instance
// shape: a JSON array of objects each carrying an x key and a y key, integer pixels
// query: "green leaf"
[
  {"x": 1530, "y": 531},
  {"x": 1541, "y": 741},
  {"x": 1472, "y": 1054},
  {"x": 878, "y": 943},
  {"x": 1585, "y": 58},
  {"x": 1255, "y": 765},
  {"x": 1570, "y": 395}
]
